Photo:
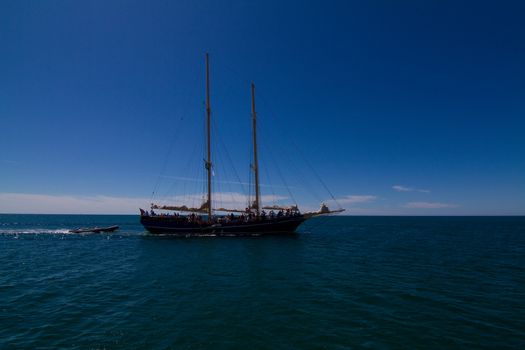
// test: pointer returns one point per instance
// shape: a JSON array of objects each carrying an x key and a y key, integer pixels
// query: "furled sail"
[
  {"x": 202, "y": 209},
  {"x": 230, "y": 210},
  {"x": 277, "y": 207}
]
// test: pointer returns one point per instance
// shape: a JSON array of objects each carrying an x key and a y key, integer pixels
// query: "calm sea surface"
[{"x": 341, "y": 283}]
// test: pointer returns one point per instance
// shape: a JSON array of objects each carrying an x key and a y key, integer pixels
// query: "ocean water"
[{"x": 341, "y": 283}]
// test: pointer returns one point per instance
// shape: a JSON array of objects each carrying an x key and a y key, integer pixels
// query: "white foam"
[{"x": 20, "y": 231}]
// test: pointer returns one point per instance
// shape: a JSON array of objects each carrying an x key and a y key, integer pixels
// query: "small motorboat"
[{"x": 95, "y": 229}]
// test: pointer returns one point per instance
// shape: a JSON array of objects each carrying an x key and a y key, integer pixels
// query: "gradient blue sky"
[{"x": 402, "y": 107}]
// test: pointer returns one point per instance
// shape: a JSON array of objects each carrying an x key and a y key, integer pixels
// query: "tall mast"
[
  {"x": 255, "y": 166},
  {"x": 207, "y": 163}
]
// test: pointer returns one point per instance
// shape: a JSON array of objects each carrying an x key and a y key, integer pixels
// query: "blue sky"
[{"x": 402, "y": 108}]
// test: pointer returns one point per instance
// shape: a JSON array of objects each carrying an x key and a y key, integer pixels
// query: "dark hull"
[{"x": 172, "y": 226}]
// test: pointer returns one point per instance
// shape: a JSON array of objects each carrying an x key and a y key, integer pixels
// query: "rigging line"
[
  {"x": 229, "y": 188},
  {"x": 228, "y": 157},
  {"x": 190, "y": 161},
  {"x": 198, "y": 185},
  {"x": 316, "y": 174},
  {"x": 219, "y": 193},
  {"x": 168, "y": 155},
  {"x": 302, "y": 155},
  {"x": 301, "y": 177},
  {"x": 192, "y": 189},
  {"x": 174, "y": 185},
  {"x": 193, "y": 168},
  {"x": 215, "y": 171},
  {"x": 269, "y": 180},
  {"x": 241, "y": 183},
  {"x": 290, "y": 162},
  {"x": 184, "y": 111},
  {"x": 286, "y": 185},
  {"x": 281, "y": 175}
]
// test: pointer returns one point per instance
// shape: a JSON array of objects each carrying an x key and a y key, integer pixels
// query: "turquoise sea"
[{"x": 340, "y": 283}]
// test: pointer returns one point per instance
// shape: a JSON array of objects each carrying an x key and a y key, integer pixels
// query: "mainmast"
[
  {"x": 255, "y": 166},
  {"x": 207, "y": 162}
]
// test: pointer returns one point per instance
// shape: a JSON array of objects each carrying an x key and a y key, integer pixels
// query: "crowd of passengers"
[{"x": 247, "y": 216}]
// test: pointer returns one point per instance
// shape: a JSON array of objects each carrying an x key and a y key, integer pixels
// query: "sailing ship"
[{"x": 203, "y": 221}]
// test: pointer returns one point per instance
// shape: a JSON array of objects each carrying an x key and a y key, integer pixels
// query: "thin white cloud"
[
  {"x": 429, "y": 205},
  {"x": 354, "y": 199},
  {"x": 69, "y": 204},
  {"x": 99, "y": 204},
  {"x": 9, "y": 161},
  {"x": 374, "y": 211},
  {"x": 401, "y": 188}
]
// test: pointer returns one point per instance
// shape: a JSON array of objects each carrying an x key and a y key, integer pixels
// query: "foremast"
[
  {"x": 207, "y": 162},
  {"x": 255, "y": 166}
]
